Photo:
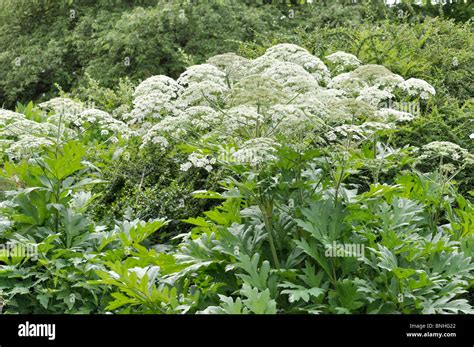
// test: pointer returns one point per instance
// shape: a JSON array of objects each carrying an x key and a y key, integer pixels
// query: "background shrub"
[{"x": 57, "y": 42}]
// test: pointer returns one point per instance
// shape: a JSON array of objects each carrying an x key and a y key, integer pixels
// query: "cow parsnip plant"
[{"x": 317, "y": 209}]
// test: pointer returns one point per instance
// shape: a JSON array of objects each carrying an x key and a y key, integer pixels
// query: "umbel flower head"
[
  {"x": 242, "y": 117},
  {"x": 257, "y": 90},
  {"x": 257, "y": 151},
  {"x": 374, "y": 96},
  {"x": 300, "y": 56},
  {"x": 63, "y": 110},
  {"x": 393, "y": 116},
  {"x": 26, "y": 146},
  {"x": 202, "y": 73},
  {"x": 365, "y": 76},
  {"x": 206, "y": 93},
  {"x": 286, "y": 96},
  {"x": 377, "y": 75},
  {"x": 158, "y": 84},
  {"x": 292, "y": 77},
  {"x": 154, "y": 98},
  {"x": 21, "y": 137},
  {"x": 417, "y": 88},
  {"x": 348, "y": 84},
  {"x": 342, "y": 132},
  {"x": 8, "y": 117},
  {"x": 149, "y": 108},
  {"x": 103, "y": 122},
  {"x": 350, "y": 109},
  {"x": 198, "y": 160},
  {"x": 450, "y": 157},
  {"x": 233, "y": 65},
  {"x": 446, "y": 150}
]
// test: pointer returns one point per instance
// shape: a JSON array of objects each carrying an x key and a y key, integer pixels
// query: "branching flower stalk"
[
  {"x": 59, "y": 182},
  {"x": 265, "y": 205}
]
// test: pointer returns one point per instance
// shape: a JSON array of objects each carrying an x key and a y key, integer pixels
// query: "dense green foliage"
[{"x": 57, "y": 42}]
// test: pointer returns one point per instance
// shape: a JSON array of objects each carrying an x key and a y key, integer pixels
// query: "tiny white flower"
[{"x": 186, "y": 166}]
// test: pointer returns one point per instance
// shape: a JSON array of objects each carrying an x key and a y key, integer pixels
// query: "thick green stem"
[
  {"x": 376, "y": 171},
  {"x": 338, "y": 186},
  {"x": 267, "y": 218}
]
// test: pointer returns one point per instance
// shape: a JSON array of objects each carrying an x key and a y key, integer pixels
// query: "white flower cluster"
[
  {"x": 196, "y": 119},
  {"x": 289, "y": 120},
  {"x": 158, "y": 84},
  {"x": 292, "y": 77},
  {"x": 8, "y": 117},
  {"x": 105, "y": 123},
  {"x": 377, "y": 75},
  {"x": 343, "y": 61},
  {"x": 13, "y": 124},
  {"x": 202, "y": 73},
  {"x": 300, "y": 56},
  {"x": 260, "y": 64},
  {"x": 243, "y": 117},
  {"x": 149, "y": 108},
  {"x": 348, "y": 110},
  {"x": 366, "y": 76},
  {"x": 346, "y": 131},
  {"x": 446, "y": 149},
  {"x": 372, "y": 127},
  {"x": 417, "y": 88},
  {"x": 256, "y": 151},
  {"x": 25, "y": 146},
  {"x": 203, "y": 117},
  {"x": 257, "y": 90},
  {"x": 198, "y": 160},
  {"x": 203, "y": 85},
  {"x": 62, "y": 119},
  {"x": 21, "y": 136},
  {"x": 374, "y": 96},
  {"x": 62, "y": 109},
  {"x": 314, "y": 105},
  {"x": 173, "y": 127},
  {"x": 284, "y": 95},
  {"x": 347, "y": 84},
  {"x": 205, "y": 93},
  {"x": 283, "y": 72},
  {"x": 393, "y": 116},
  {"x": 233, "y": 65},
  {"x": 75, "y": 114},
  {"x": 353, "y": 132},
  {"x": 154, "y": 99}
]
